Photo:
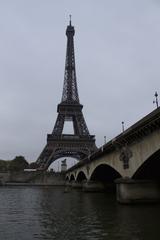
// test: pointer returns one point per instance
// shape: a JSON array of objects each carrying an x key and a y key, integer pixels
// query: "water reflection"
[{"x": 49, "y": 213}]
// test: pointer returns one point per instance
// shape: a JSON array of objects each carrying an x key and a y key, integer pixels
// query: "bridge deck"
[{"x": 141, "y": 128}]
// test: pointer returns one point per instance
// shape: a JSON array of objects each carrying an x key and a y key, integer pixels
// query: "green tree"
[
  {"x": 3, "y": 165},
  {"x": 19, "y": 163}
]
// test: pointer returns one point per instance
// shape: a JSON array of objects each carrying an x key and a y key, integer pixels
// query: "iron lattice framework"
[{"x": 81, "y": 143}]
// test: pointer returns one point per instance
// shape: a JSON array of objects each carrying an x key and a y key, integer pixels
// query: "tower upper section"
[{"x": 70, "y": 91}]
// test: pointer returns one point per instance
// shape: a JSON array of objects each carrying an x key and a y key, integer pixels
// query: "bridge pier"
[
  {"x": 93, "y": 186},
  {"x": 75, "y": 184},
  {"x": 137, "y": 191}
]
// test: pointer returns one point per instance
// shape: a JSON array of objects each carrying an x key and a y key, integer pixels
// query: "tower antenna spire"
[{"x": 70, "y": 19}]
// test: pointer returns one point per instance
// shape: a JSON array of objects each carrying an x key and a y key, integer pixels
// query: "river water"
[{"x": 28, "y": 213}]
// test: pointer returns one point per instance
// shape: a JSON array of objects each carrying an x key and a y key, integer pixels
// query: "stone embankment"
[{"x": 36, "y": 178}]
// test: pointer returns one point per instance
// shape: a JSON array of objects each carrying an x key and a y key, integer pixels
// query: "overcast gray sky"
[{"x": 117, "y": 50}]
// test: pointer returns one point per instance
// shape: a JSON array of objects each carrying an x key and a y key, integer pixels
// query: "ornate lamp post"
[
  {"x": 122, "y": 126},
  {"x": 156, "y": 99}
]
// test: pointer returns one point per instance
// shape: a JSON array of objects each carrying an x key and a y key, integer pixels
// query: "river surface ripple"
[{"x": 28, "y": 213}]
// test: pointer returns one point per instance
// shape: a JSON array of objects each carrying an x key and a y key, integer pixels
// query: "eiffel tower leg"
[
  {"x": 58, "y": 128},
  {"x": 41, "y": 161},
  {"x": 82, "y": 127},
  {"x": 45, "y": 158}
]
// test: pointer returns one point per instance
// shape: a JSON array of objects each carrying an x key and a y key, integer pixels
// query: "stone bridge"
[{"x": 133, "y": 156}]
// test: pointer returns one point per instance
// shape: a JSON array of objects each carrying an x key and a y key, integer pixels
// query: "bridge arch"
[
  {"x": 105, "y": 173},
  {"x": 149, "y": 169},
  {"x": 67, "y": 178},
  {"x": 81, "y": 176},
  {"x": 72, "y": 177}
]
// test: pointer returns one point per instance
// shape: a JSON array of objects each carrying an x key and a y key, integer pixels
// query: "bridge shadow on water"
[
  {"x": 48, "y": 213},
  {"x": 96, "y": 216}
]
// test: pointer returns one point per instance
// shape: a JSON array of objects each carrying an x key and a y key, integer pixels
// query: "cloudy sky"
[{"x": 117, "y": 49}]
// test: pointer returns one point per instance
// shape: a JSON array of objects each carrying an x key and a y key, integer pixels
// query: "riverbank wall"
[{"x": 37, "y": 178}]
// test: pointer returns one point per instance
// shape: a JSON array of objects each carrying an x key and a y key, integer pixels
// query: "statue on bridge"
[{"x": 125, "y": 155}]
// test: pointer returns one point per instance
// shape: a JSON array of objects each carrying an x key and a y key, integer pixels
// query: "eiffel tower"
[{"x": 81, "y": 143}]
